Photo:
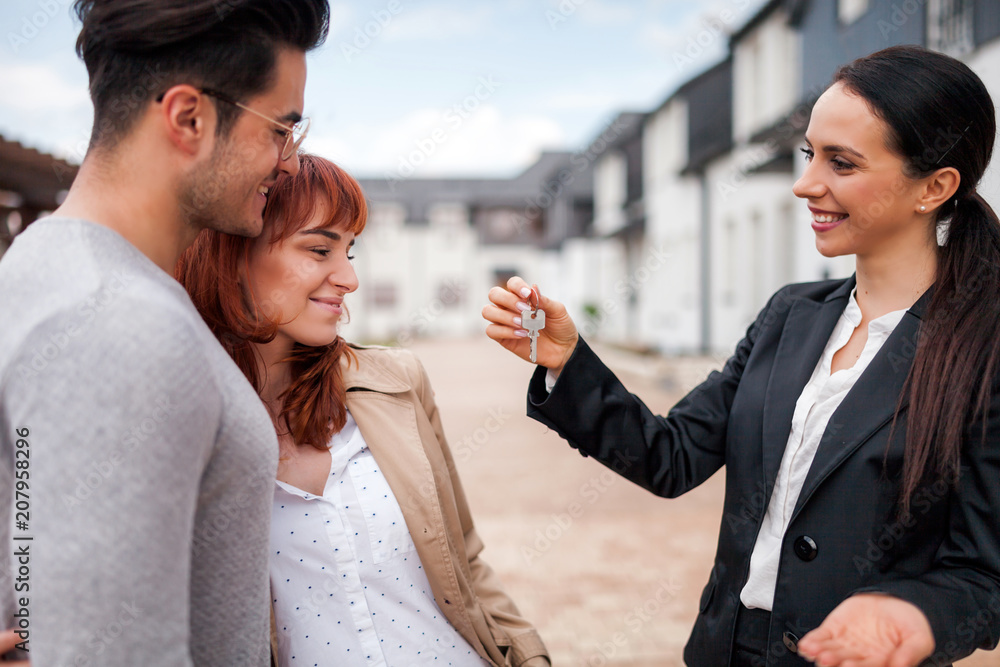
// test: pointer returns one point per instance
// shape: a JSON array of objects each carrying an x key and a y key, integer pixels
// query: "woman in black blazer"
[{"x": 859, "y": 419}]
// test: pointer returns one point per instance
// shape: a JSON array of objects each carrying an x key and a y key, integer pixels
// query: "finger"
[
  {"x": 813, "y": 642},
  {"x": 910, "y": 653},
  {"x": 552, "y": 308},
  {"x": 505, "y": 299},
  {"x": 517, "y": 285},
  {"x": 8, "y": 640},
  {"x": 502, "y": 317},
  {"x": 501, "y": 333},
  {"x": 836, "y": 654}
]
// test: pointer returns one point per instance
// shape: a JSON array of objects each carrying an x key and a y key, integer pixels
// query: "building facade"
[
  {"x": 671, "y": 229},
  {"x": 31, "y": 185},
  {"x": 668, "y": 231},
  {"x": 721, "y": 156}
]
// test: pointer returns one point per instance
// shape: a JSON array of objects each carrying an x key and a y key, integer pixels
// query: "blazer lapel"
[
  {"x": 803, "y": 338},
  {"x": 870, "y": 404}
]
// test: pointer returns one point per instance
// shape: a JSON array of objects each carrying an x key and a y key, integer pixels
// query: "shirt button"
[
  {"x": 805, "y": 548},
  {"x": 791, "y": 642}
]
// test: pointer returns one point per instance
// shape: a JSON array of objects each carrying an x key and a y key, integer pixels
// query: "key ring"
[{"x": 534, "y": 298}]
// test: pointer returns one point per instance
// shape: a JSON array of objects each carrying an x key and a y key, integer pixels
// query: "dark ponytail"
[{"x": 939, "y": 114}]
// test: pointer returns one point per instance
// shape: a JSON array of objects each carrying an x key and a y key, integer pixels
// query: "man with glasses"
[{"x": 142, "y": 460}]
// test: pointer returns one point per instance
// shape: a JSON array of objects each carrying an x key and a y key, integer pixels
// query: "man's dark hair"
[{"x": 137, "y": 49}]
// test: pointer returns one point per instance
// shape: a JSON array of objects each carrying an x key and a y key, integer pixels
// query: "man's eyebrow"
[
  {"x": 291, "y": 118},
  {"x": 333, "y": 236}
]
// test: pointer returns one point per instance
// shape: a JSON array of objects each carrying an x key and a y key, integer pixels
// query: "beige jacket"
[{"x": 390, "y": 398}]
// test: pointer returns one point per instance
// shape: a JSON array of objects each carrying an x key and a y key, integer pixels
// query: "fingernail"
[
  {"x": 517, "y": 321},
  {"x": 521, "y": 333},
  {"x": 525, "y": 292},
  {"x": 523, "y": 306}
]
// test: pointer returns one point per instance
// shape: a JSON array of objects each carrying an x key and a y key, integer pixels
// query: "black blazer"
[{"x": 844, "y": 536}]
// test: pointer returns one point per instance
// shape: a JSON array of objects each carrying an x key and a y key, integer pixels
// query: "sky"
[{"x": 423, "y": 88}]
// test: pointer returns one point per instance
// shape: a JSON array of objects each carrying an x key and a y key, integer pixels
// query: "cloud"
[
  {"x": 342, "y": 19},
  {"x": 597, "y": 12},
  {"x": 572, "y": 100},
  {"x": 35, "y": 87},
  {"x": 708, "y": 28},
  {"x": 437, "y": 22},
  {"x": 430, "y": 143}
]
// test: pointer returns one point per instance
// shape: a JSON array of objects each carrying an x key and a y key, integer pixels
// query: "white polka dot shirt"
[{"x": 347, "y": 584}]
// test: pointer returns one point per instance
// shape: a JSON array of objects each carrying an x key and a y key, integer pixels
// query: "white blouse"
[
  {"x": 347, "y": 583},
  {"x": 820, "y": 398}
]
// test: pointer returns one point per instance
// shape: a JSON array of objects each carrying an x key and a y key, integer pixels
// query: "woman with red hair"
[{"x": 374, "y": 557}]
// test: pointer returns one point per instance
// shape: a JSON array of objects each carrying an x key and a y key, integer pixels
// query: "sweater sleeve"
[{"x": 121, "y": 415}]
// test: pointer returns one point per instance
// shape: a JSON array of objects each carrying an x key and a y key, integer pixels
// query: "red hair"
[{"x": 211, "y": 269}]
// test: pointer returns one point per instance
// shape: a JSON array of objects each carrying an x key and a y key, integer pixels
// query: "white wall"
[
  {"x": 986, "y": 63},
  {"x": 765, "y": 76},
  {"x": 610, "y": 192},
  {"x": 668, "y": 270},
  {"x": 437, "y": 271}
]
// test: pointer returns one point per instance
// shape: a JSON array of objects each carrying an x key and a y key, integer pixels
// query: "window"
[
  {"x": 13, "y": 223},
  {"x": 950, "y": 27},
  {"x": 383, "y": 295},
  {"x": 502, "y": 275},
  {"x": 849, "y": 11},
  {"x": 451, "y": 293}
]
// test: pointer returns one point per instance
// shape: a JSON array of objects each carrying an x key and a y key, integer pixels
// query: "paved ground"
[{"x": 610, "y": 574}]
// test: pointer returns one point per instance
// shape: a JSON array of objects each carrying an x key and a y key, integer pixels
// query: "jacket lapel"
[
  {"x": 389, "y": 425},
  {"x": 803, "y": 338},
  {"x": 870, "y": 404},
  {"x": 377, "y": 399}
]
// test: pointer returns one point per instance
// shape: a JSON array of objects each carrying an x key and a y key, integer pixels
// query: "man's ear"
[{"x": 189, "y": 118}]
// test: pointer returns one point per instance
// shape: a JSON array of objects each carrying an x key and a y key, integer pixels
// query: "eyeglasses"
[{"x": 294, "y": 134}]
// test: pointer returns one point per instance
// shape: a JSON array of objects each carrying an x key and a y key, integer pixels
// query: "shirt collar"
[{"x": 880, "y": 325}]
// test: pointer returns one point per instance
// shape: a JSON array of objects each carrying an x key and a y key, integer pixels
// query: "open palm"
[{"x": 870, "y": 630}]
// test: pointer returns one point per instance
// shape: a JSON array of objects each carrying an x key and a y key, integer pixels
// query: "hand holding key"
[{"x": 547, "y": 339}]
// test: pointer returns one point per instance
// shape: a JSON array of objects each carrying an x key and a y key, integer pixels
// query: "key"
[{"x": 533, "y": 321}]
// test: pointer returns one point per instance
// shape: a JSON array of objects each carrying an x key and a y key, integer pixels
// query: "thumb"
[
  {"x": 811, "y": 643},
  {"x": 909, "y": 654},
  {"x": 551, "y": 307}
]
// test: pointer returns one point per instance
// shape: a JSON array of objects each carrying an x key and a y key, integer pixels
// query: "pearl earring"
[{"x": 922, "y": 208}]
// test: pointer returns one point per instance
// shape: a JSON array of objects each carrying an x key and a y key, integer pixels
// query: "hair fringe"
[{"x": 313, "y": 405}]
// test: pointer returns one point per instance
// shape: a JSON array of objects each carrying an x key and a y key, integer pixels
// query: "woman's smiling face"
[
  {"x": 300, "y": 282},
  {"x": 860, "y": 198}
]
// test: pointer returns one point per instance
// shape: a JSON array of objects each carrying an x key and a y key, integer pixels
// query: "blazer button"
[
  {"x": 791, "y": 642},
  {"x": 805, "y": 548}
]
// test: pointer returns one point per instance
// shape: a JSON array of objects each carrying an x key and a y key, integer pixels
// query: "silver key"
[{"x": 533, "y": 321}]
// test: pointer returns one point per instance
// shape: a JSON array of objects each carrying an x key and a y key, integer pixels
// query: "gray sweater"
[{"x": 146, "y": 463}]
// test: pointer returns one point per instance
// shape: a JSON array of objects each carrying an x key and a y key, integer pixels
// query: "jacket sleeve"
[
  {"x": 592, "y": 410},
  {"x": 526, "y": 644},
  {"x": 960, "y": 595}
]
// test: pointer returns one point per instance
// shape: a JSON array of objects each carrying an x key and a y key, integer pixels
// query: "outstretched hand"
[
  {"x": 870, "y": 630},
  {"x": 556, "y": 341}
]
